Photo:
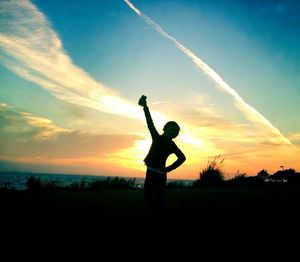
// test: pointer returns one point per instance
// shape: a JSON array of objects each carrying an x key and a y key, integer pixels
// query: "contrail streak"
[
  {"x": 30, "y": 48},
  {"x": 251, "y": 113}
]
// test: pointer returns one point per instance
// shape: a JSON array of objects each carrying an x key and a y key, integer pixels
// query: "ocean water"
[{"x": 17, "y": 180}]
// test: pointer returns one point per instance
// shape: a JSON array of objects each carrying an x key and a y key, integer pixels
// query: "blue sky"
[
  {"x": 105, "y": 48},
  {"x": 252, "y": 44}
]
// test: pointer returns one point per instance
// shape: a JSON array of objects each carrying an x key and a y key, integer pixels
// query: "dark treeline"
[
  {"x": 212, "y": 175},
  {"x": 35, "y": 183},
  {"x": 207, "y": 178},
  {"x": 217, "y": 178}
]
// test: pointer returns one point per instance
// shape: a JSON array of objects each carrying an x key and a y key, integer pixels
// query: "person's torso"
[{"x": 160, "y": 150}]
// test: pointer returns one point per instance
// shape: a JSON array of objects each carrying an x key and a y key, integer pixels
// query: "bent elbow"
[{"x": 183, "y": 158}]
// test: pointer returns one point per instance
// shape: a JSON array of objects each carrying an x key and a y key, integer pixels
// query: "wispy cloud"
[
  {"x": 33, "y": 50},
  {"x": 295, "y": 138},
  {"x": 37, "y": 144},
  {"x": 23, "y": 134},
  {"x": 251, "y": 113}
]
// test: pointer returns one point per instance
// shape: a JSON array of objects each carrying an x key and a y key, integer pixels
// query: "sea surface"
[{"x": 18, "y": 180}]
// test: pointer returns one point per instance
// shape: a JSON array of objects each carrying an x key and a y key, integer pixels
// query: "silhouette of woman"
[{"x": 161, "y": 148}]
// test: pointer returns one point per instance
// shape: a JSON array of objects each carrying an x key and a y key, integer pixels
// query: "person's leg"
[
  {"x": 160, "y": 188},
  {"x": 149, "y": 186}
]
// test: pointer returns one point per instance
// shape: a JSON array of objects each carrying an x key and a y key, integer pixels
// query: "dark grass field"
[{"x": 249, "y": 221}]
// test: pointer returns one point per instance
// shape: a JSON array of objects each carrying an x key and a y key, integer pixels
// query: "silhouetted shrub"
[
  {"x": 287, "y": 175},
  {"x": 176, "y": 184},
  {"x": 109, "y": 183},
  {"x": 244, "y": 180},
  {"x": 263, "y": 174},
  {"x": 239, "y": 179},
  {"x": 99, "y": 184},
  {"x": 295, "y": 179},
  {"x": 34, "y": 183},
  {"x": 77, "y": 185},
  {"x": 212, "y": 175},
  {"x": 51, "y": 185},
  {"x": 117, "y": 183}
]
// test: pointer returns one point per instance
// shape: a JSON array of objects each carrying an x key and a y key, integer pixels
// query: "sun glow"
[{"x": 132, "y": 157}]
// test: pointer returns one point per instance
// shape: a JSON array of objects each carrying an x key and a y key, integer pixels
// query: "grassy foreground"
[{"x": 251, "y": 218}]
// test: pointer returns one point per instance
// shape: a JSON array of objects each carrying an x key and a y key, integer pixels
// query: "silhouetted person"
[{"x": 162, "y": 147}]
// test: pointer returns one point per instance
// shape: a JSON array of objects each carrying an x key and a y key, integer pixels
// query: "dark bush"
[{"x": 212, "y": 175}]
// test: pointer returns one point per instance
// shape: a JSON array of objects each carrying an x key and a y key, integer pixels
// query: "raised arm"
[{"x": 150, "y": 124}]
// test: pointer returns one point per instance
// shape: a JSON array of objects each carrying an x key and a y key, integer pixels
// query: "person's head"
[{"x": 171, "y": 129}]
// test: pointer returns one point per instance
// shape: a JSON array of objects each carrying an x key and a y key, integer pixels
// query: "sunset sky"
[{"x": 71, "y": 74}]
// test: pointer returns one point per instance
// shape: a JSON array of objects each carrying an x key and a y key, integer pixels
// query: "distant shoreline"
[{"x": 17, "y": 180}]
